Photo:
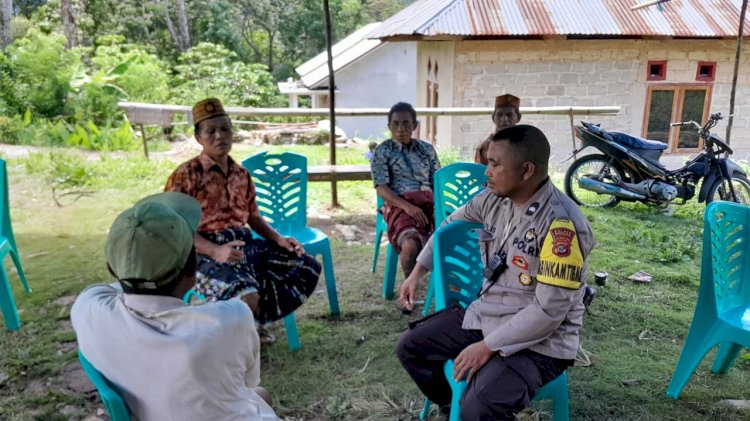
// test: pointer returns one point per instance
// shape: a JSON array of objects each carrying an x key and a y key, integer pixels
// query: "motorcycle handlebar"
[{"x": 686, "y": 123}]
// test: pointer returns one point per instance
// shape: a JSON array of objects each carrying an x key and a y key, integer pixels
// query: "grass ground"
[{"x": 346, "y": 369}]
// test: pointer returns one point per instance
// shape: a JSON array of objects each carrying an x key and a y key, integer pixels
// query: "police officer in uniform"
[{"x": 522, "y": 332}]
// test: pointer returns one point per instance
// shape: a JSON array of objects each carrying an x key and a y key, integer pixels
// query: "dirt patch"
[
  {"x": 65, "y": 300},
  {"x": 66, "y": 347},
  {"x": 75, "y": 379},
  {"x": 351, "y": 229}
]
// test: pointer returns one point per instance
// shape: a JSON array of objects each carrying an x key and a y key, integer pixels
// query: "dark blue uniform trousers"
[{"x": 504, "y": 386}]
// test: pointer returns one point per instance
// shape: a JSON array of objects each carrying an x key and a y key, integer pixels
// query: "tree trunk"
[
  {"x": 270, "y": 51},
  {"x": 69, "y": 24},
  {"x": 182, "y": 20},
  {"x": 6, "y": 10},
  {"x": 170, "y": 27}
]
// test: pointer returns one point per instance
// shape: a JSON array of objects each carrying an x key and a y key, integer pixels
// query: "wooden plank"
[{"x": 339, "y": 173}]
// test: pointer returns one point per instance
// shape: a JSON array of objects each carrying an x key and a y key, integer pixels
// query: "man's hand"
[
  {"x": 417, "y": 215},
  {"x": 228, "y": 253},
  {"x": 471, "y": 359},
  {"x": 291, "y": 245},
  {"x": 408, "y": 292}
]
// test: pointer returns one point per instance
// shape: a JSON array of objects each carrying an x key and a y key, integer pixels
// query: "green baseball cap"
[{"x": 149, "y": 243}]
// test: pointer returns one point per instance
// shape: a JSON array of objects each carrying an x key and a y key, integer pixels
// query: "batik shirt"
[
  {"x": 405, "y": 168},
  {"x": 537, "y": 301},
  {"x": 228, "y": 200}
]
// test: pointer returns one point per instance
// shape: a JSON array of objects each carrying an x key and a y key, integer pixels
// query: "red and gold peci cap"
[
  {"x": 208, "y": 108},
  {"x": 507, "y": 100}
]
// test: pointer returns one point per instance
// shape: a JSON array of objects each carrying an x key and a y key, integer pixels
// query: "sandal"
[{"x": 266, "y": 337}]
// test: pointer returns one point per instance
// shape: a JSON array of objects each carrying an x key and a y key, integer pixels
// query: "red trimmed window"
[
  {"x": 706, "y": 71},
  {"x": 657, "y": 70}
]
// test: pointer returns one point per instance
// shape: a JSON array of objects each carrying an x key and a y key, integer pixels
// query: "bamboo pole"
[
  {"x": 737, "y": 54},
  {"x": 362, "y": 112}
]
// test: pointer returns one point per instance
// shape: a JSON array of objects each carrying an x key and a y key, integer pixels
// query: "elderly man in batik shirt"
[{"x": 403, "y": 170}]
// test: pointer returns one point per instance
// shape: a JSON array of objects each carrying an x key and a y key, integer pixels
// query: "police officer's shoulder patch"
[{"x": 561, "y": 261}]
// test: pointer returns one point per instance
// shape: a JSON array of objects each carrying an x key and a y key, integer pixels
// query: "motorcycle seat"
[
  {"x": 626, "y": 139},
  {"x": 637, "y": 142}
]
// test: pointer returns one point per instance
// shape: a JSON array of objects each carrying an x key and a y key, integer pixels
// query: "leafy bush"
[
  {"x": 41, "y": 73},
  {"x": 448, "y": 155},
  {"x": 89, "y": 136},
  {"x": 146, "y": 78},
  {"x": 209, "y": 70}
]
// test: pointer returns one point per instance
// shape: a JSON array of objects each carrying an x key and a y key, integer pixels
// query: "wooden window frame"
[
  {"x": 662, "y": 75},
  {"x": 711, "y": 76},
  {"x": 677, "y": 105}
]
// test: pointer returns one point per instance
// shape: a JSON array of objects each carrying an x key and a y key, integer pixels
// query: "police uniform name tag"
[{"x": 561, "y": 261}]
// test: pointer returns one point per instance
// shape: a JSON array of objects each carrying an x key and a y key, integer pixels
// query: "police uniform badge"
[
  {"x": 525, "y": 279},
  {"x": 532, "y": 209},
  {"x": 561, "y": 259},
  {"x": 529, "y": 236},
  {"x": 520, "y": 262}
]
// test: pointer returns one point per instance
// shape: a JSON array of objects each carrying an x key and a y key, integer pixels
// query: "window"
[
  {"x": 706, "y": 71},
  {"x": 433, "y": 93},
  {"x": 657, "y": 70},
  {"x": 672, "y": 103}
]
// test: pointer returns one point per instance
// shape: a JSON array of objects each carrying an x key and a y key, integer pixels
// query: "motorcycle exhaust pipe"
[{"x": 606, "y": 188}]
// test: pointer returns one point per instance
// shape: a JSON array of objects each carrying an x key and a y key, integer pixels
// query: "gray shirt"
[
  {"x": 171, "y": 360},
  {"x": 405, "y": 168},
  {"x": 536, "y": 303}
]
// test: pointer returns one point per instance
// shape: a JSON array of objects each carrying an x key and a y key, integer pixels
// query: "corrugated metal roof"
[
  {"x": 345, "y": 52},
  {"x": 596, "y": 18}
]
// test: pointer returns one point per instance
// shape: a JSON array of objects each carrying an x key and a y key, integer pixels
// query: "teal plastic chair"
[
  {"x": 722, "y": 312},
  {"x": 457, "y": 276},
  {"x": 8, "y": 246},
  {"x": 391, "y": 256},
  {"x": 454, "y": 185},
  {"x": 281, "y": 195},
  {"x": 108, "y": 393}
]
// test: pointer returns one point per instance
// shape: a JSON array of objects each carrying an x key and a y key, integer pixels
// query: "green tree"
[
  {"x": 43, "y": 69},
  {"x": 212, "y": 70}
]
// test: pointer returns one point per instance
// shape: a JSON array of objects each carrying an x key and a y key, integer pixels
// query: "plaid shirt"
[
  {"x": 405, "y": 168},
  {"x": 228, "y": 200}
]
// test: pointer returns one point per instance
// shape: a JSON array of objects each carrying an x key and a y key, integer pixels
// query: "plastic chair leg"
[
  {"x": 728, "y": 352},
  {"x": 333, "y": 296},
  {"x": 561, "y": 402},
  {"x": 292, "y": 336},
  {"x": 425, "y": 410},
  {"x": 376, "y": 252},
  {"x": 7, "y": 304},
  {"x": 428, "y": 297},
  {"x": 389, "y": 278},
  {"x": 698, "y": 343},
  {"x": 17, "y": 262}
]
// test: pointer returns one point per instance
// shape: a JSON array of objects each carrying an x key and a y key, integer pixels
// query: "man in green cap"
[{"x": 170, "y": 360}]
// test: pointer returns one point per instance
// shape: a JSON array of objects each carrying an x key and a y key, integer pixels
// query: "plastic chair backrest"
[
  {"x": 726, "y": 250},
  {"x": 108, "y": 393},
  {"x": 7, "y": 229},
  {"x": 456, "y": 184},
  {"x": 457, "y": 264},
  {"x": 281, "y": 188}
]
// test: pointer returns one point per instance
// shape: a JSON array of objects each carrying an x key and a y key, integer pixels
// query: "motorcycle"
[{"x": 629, "y": 169}]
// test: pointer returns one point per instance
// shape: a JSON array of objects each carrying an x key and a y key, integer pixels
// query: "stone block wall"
[{"x": 587, "y": 73}]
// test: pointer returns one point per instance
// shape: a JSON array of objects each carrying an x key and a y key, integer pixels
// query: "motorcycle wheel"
[
  {"x": 720, "y": 190},
  {"x": 592, "y": 165}
]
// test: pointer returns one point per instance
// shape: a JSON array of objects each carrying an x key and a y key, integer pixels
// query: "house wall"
[
  {"x": 380, "y": 79},
  {"x": 585, "y": 73}
]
